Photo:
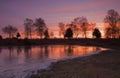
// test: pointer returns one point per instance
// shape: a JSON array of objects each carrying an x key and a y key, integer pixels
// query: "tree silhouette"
[
  {"x": 75, "y": 29},
  {"x": 0, "y": 36},
  {"x": 28, "y": 23},
  {"x": 10, "y": 30},
  {"x": 96, "y": 33},
  {"x": 112, "y": 18},
  {"x": 40, "y": 27},
  {"x": 18, "y": 35},
  {"x": 83, "y": 24},
  {"x": 68, "y": 33},
  {"x": 46, "y": 34}
]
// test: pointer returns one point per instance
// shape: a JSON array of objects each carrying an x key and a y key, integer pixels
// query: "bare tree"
[
  {"x": 112, "y": 18},
  {"x": 83, "y": 23},
  {"x": 62, "y": 29},
  {"x": 40, "y": 27},
  {"x": 10, "y": 30},
  {"x": 28, "y": 23},
  {"x": 75, "y": 28}
]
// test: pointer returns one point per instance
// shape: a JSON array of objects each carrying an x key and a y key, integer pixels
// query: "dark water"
[{"x": 19, "y": 62}]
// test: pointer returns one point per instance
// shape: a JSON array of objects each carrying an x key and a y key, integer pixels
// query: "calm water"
[{"x": 19, "y": 62}]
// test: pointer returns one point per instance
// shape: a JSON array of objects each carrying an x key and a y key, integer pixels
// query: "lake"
[{"x": 22, "y": 61}]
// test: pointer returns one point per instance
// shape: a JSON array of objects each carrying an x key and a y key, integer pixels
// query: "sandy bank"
[{"x": 103, "y": 65}]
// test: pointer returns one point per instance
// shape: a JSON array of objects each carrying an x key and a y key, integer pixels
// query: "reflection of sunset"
[
  {"x": 46, "y": 51},
  {"x": 56, "y": 52},
  {"x": 23, "y": 58}
]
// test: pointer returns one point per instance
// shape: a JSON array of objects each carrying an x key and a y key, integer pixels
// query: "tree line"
[{"x": 79, "y": 25}]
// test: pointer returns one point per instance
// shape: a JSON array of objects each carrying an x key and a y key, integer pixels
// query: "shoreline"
[
  {"x": 80, "y": 41},
  {"x": 98, "y": 65},
  {"x": 48, "y": 68}
]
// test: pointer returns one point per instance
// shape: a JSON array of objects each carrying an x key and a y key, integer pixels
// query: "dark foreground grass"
[
  {"x": 103, "y": 65},
  {"x": 80, "y": 41}
]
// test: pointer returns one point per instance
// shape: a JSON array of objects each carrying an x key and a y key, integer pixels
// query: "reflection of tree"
[
  {"x": 19, "y": 50},
  {"x": 98, "y": 48},
  {"x": 69, "y": 50},
  {"x": 27, "y": 50},
  {"x": 10, "y": 48},
  {"x": 85, "y": 50},
  {"x": 41, "y": 53},
  {"x": 46, "y": 51}
]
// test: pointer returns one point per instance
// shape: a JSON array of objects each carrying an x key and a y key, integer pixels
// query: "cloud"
[
  {"x": 75, "y": 8},
  {"x": 14, "y": 11},
  {"x": 83, "y": 6}
]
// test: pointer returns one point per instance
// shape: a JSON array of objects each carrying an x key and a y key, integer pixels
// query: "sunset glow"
[
  {"x": 59, "y": 38},
  {"x": 14, "y": 12}
]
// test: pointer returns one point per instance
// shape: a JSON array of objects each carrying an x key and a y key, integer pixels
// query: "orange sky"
[{"x": 14, "y": 12}]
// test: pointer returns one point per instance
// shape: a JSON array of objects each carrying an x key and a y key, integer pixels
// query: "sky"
[{"x": 14, "y": 12}]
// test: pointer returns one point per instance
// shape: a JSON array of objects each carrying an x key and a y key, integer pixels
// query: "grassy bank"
[{"x": 103, "y": 65}]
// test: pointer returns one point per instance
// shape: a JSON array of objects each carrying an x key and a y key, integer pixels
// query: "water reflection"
[
  {"x": 25, "y": 58},
  {"x": 19, "y": 50},
  {"x": 10, "y": 52},
  {"x": 45, "y": 52}
]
